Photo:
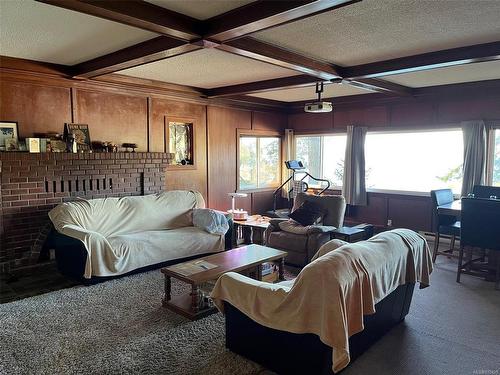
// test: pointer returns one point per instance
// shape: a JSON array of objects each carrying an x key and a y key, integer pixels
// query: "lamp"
[{"x": 238, "y": 214}]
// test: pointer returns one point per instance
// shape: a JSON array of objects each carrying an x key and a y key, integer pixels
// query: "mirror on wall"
[{"x": 180, "y": 142}]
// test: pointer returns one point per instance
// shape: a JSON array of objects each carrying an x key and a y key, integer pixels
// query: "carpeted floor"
[{"x": 120, "y": 327}]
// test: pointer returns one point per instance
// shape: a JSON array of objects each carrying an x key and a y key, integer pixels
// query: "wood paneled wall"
[
  {"x": 400, "y": 112},
  {"x": 121, "y": 110},
  {"x": 223, "y": 124},
  {"x": 182, "y": 177},
  {"x": 36, "y": 108}
]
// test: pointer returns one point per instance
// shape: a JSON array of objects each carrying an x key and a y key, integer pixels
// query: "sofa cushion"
[
  {"x": 150, "y": 247},
  {"x": 308, "y": 213},
  {"x": 291, "y": 226},
  {"x": 288, "y": 241}
]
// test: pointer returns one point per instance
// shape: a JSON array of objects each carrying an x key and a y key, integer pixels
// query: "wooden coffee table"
[{"x": 241, "y": 259}]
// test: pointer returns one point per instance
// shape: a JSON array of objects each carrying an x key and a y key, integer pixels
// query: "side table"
[{"x": 353, "y": 234}]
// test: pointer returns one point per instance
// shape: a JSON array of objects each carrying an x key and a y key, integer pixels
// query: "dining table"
[{"x": 452, "y": 209}]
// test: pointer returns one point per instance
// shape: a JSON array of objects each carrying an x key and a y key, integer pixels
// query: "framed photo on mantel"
[
  {"x": 8, "y": 130},
  {"x": 81, "y": 134}
]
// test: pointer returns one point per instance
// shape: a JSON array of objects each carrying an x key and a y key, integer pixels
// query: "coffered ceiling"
[
  {"x": 300, "y": 43},
  {"x": 445, "y": 76},
  {"x": 374, "y": 30},
  {"x": 200, "y": 9},
  {"x": 42, "y": 32},
  {"x": 208, "y": 68},
  {"x": 307, "y": 93}
]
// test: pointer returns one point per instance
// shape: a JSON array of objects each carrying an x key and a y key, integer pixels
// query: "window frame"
[
  {"x": 322, "y": 146},
  {"x": 490, "y": 151},
  {"x": 258, "y": 134},
  {"x": 399, "y": 130}
]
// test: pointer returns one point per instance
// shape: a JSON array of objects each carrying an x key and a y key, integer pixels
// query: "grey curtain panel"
[
  {"x": 354, "y": 188},
  {"x": 475, "y": 142}
]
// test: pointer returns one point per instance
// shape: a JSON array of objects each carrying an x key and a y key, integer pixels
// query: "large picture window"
[
  {"x": 323, "y": 156},
  {"x": 417, "y": 161},
  {"x": 496, "y": 159},
  {"x": 259, "y": 162}
]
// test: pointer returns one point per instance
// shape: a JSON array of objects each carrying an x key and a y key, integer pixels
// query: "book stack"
[{"x": 269, "y": 272}]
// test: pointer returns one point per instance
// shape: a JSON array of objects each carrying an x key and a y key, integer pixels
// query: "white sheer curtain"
[
  {"x": 354, "y": 188},
  {"x": 475, "y": 144}
]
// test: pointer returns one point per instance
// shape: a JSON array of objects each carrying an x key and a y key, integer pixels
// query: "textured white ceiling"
[
  {"x": 42, "y": 32},
  {"x": 208, "y": 68},
  {"x": 374, "y": 30},
  {"x": 454, "y": 74},
  {"x": 200, "y": 9},
  {"x": 309, "y": 93}
]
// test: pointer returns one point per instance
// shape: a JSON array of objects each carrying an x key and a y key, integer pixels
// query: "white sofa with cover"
[{"x": 124, "y": 234}]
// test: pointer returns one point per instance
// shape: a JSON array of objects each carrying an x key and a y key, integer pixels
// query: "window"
[
  {"x": 496, "y": 159},
  {"x": 417, "y": 161},
  {"x": 323, "y": 156},
  {"x": 260, "y": 165}
]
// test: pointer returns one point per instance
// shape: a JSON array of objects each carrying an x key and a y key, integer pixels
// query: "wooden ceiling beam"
[
  {"x": 155, "y": 49},
  {"x": 261, "y": 86},
  {"x": 257, "y": 50},
  {"x": 378, "y": 85},
  {"x": 262, "y": 14},
  {"x": 426, "y": 61},
  {"x": 136, "y": 13}
]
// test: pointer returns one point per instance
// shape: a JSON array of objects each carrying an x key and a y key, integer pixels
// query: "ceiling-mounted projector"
[{"x": 318, "y": 106}]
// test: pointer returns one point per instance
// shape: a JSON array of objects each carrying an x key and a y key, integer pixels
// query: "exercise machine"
[{"x": 296, "y": 186}]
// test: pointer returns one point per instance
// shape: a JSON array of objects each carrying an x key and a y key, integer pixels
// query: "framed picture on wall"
[
  {"x": 8, "y": 130},
  {"x": 81, "y": 134},
  {"x": 179, "y": 140},
  {"x": 11, "y": 144}
]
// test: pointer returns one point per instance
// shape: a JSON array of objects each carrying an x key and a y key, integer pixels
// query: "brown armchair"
[{"x": 302, "y": 247}]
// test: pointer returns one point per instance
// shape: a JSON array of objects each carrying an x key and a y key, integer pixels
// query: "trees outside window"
[
  {"x": 259, "y": 162},
  {"x": 496, "y": 159},
  {"x": 323, "y": 157}
]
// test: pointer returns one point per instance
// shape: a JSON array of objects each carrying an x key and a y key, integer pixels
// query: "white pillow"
[{"x": 211, "y": 221}]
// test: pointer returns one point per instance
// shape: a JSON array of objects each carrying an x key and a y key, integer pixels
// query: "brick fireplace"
[{"x": 32, "y": 184}]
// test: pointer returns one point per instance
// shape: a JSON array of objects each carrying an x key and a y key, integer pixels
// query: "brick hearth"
[{"x": 32, "y": 184}]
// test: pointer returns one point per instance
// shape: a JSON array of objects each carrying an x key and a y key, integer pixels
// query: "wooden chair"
[
  {"x": 444, "y": 224},
  {"x": 480, "y": 229}
]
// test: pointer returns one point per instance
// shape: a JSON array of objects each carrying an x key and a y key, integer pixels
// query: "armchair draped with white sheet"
[{"x": 331, "y": 295}]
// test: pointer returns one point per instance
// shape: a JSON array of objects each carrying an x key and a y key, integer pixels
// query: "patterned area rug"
[{"x": 115, "y": 327}]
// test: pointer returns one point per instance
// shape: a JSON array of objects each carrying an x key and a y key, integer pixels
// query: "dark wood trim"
[
  {"x": 37, "y": 67},
  {"x": 260, "y": 86},
  {"x": 490, "y": 88},
  {"x": 35, "y": 73},
  {"x": 263, "y": 14},
  {"x": 136, "y": 13},
  {"x": 155, "y": 49},
  {"x": 378, "y": 85},
  {"x": 426, "y": 61},
  {"x": 261, "y": 51}
]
